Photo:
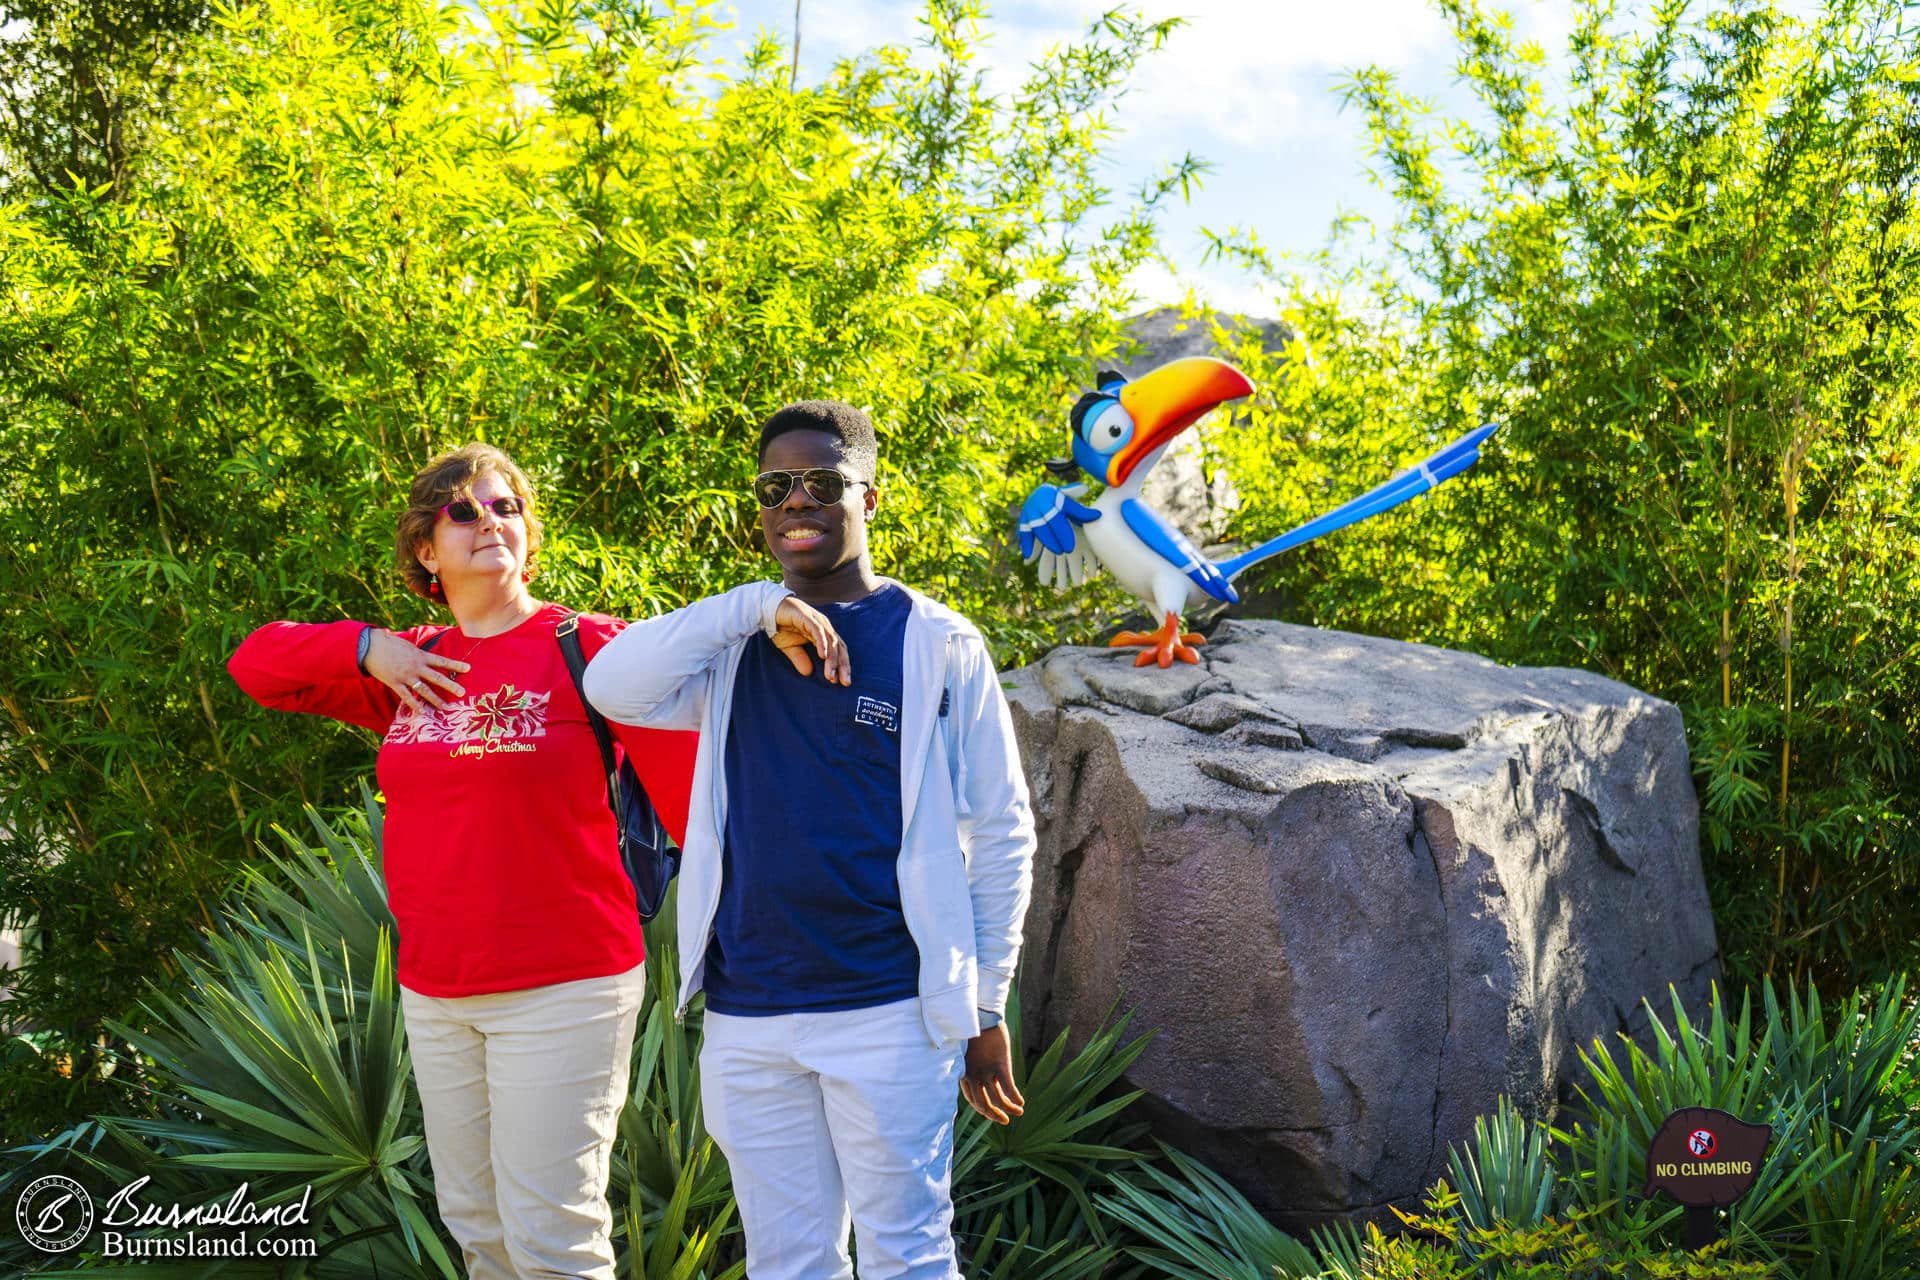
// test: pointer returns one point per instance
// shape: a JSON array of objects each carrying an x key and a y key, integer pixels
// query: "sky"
[{"x": 1249, "y": 85}]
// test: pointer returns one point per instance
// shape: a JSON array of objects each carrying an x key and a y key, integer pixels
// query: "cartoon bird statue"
[{"x": 1119, "y": 432}]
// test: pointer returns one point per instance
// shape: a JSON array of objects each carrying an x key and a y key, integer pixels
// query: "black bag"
[{"x": 647, "y": 852}]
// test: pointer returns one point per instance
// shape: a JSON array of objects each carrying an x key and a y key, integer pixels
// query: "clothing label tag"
[{"x": 874, "y": 711}]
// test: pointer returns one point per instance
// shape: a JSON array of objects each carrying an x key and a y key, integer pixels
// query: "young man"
[{"x": 857, "y": 867}]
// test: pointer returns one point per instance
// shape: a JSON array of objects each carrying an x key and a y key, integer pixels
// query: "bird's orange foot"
[{"x": 1161, "y": 646}]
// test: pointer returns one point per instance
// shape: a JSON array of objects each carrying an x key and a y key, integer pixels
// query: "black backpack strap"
[{"x": 568, "y": 634}]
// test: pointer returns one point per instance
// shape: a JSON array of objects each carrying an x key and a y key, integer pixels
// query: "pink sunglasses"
[{"x": 466, "y": 510}]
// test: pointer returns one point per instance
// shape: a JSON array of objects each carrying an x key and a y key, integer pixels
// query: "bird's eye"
[{"x": 1110, "y": 429}]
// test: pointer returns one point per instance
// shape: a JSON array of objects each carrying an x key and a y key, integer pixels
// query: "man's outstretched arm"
[{"x": 654, "y": 672}]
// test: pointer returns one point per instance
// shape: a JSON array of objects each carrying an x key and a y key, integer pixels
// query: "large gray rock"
[{"x": 1359, "y": 888}]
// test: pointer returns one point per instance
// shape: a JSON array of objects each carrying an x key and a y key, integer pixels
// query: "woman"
[{"x": 520, "y": 952}]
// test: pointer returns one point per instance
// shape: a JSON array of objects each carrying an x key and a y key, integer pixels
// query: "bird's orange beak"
[{"x": 1168, "y": 400}]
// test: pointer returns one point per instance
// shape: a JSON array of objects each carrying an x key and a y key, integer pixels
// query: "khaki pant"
[{"x": 522, "y": 1092}]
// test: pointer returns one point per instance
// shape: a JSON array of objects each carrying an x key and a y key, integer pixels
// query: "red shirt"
[{"x": 501, "y": 864}]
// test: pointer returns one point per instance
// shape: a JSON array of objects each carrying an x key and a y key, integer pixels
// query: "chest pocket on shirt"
[{"x": 868, "y": 723}]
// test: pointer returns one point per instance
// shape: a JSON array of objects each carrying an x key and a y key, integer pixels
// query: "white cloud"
[
  {"x": 1220, "y": 290},
  {"x": 1240, "y": 72},
  {"x": 843, "y": 27}
]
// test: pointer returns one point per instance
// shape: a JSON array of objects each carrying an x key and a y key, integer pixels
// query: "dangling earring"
[
  {"x": 433, "y": 585},
  {"x": 526, "y": 575}
]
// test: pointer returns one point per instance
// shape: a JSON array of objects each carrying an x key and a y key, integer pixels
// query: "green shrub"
[
  {"x": 376, "y": 229},
  {"x": 1025, "y": 1193},
  {"x": 1440, "y": 1245},
  {"x": 1837, "y": 1195},
  {"x": 1504, "y": 1177},
  {"x": 278, "y": 1057},
  {"x": 1195, "y": 1226}
]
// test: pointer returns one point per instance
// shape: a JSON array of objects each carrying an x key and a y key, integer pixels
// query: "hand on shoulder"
[{"x": 798, "y": 625}]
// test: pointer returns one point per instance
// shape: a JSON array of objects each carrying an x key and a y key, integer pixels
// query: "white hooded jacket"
[{"x": 966, "y": 854}]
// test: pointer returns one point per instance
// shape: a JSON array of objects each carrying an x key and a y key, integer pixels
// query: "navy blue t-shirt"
[{"x": 809, "y": 917}]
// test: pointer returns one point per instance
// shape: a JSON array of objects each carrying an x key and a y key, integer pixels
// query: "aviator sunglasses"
[
  {"x": 823, "y": 484},
  {"x": 466, "y": 510}
]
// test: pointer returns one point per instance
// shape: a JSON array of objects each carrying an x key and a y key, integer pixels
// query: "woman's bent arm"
[{"x": 311, "y": 667}]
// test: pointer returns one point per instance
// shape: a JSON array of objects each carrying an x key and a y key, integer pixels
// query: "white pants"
[
  {"x": 521, "y": 1092},
  {"x": 822, "y": 1113}
]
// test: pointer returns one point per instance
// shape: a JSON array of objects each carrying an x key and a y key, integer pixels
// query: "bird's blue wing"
[
  {"x": 1172, "y": 546},
  {"x": 1424, "y": 476},
  {"x": 1047, "y": 520}
]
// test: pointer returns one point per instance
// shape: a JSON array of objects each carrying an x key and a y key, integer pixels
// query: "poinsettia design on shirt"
[{"x": 507, "y": 712}]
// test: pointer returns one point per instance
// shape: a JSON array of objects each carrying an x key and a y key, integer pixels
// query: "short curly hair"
[
  {"x": 858, "y": 444},
  {"x": 449, "y": 476}
]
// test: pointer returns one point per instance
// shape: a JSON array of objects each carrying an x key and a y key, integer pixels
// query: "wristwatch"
[
  {"x": 360, "y": 655},
  {"x": 988, "y": 1019}
]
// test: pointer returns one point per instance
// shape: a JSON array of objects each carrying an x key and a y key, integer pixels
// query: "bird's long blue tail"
[{"x": 1420, "y": 478}]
